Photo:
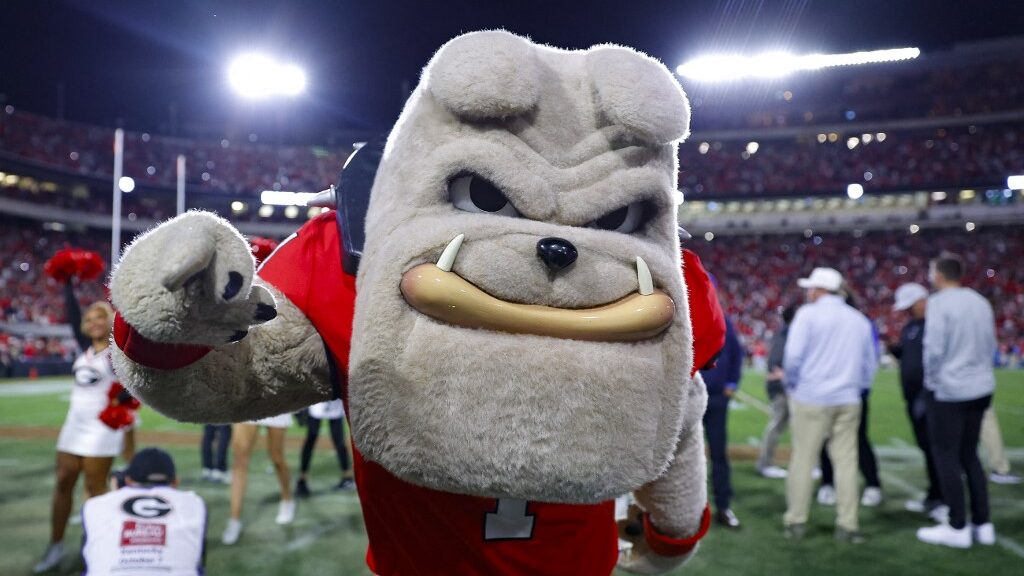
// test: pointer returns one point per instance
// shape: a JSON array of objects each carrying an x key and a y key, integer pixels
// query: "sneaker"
[
  {"x": 727, "y": 519},
  {"x": 232, "y": 532},
  {"x": 346, "y": 485},
  {"x": 945, "y": 535},
  {"x": 816, "y": 473},
  {"x": 794, "y": 531},
  {"x": 302, "y": 489},
  {"x": 984, "y": 534},
  {"x": 914, "y": 506},
  {"x": 773, "y": 472},
  {"x": 51, "y": 558},
  {"x": 206, "y": 474},
  {"x": 872, "y": 497},
  {"x": 225, "y": 477},
  {"x": 1008, "y": 478},
  {"x": 849, "y": 536},
  {"x": 827, "y": 495},
  {"x": 940, "y": 514},
  {"x": 285, "y": 512}
]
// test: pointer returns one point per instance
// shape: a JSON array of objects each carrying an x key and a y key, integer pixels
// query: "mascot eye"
[
  {"x": 473, "y": 193},
  {"x": 625, "y": 219}
]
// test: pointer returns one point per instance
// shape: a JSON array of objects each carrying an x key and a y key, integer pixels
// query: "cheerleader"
[
  {"x": 243, "y": 439},
  {"x": 86, "y": 444},
  {"x": 334, "y": 413}
]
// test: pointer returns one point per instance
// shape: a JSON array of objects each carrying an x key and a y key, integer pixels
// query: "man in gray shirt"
[{"x": 959, "y": 348}]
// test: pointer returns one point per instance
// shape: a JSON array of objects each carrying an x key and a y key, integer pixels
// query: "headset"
[{"x": 350, "y": 198}]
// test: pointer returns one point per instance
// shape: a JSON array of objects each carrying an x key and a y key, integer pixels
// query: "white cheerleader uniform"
[
  {"x": 279, "y": 421},
  {"x": 327, "y": 410},
  {"x": 83, "y": 434}
]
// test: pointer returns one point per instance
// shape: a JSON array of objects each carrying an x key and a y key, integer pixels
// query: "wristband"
[
  {"x": 667, "y": 546},
  {"x": 159, "y": 355}
]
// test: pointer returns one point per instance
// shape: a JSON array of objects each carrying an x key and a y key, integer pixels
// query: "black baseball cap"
[{"x": 151, "y": 466}]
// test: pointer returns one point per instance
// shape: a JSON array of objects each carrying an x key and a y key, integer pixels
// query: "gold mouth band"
[{"x": 446, "y": 296}]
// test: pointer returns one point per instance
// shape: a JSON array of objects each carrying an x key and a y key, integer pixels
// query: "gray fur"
[
  {"x": 279, "y": 367},
  {"x": 494, "y": 414}
]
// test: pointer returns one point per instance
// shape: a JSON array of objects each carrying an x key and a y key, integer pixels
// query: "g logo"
[
  {"x": 146, "y": 507},
  {"x": 86, "y": 376}
]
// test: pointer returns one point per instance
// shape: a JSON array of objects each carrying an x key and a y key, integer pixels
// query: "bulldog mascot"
[{"x": 516, "y": 349}]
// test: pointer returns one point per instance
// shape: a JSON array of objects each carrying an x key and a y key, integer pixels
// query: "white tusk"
[
  {"x": 643, "y": 276},
  {"x": 447, "y": 259}
]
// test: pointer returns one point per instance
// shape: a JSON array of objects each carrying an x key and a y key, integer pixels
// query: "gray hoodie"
[{"x": 959, "y": 345}]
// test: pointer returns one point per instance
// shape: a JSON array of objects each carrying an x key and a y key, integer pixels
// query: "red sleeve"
[
  {"x": 706, "y": 314},
  {"x": 306, "y": 268}
]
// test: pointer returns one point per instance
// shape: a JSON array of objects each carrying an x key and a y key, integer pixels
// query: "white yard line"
[
  {"x": 29, "y": 388},
  {"x": 751, "y": 401},
  {"x": 1011, "y": 545}
]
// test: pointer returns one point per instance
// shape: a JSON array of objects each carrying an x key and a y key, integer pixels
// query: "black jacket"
[{"x": 910, "y": 352}]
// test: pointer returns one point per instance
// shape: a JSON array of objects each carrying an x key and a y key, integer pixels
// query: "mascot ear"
[
  {"x": 638, "y": 92},
  {"x": 484, "y": 75}
]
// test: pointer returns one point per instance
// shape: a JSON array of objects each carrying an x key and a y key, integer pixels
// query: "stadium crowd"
[
  {"x": 245, "y": 168},
  {"x": 759, "y": 273},
  {"x": 966, "y": 156},
  {"x": 28, "y": 295}
]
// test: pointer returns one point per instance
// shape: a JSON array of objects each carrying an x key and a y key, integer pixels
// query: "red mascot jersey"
[{"x": 416, "y": 530}]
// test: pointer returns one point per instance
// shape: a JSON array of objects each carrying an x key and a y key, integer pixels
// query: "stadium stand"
[{"x": 930, "y": 143}]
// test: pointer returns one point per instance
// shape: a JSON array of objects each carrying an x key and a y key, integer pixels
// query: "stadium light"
[
  {"x": 257, "y": 76},
  {"x": 778, "y": 64},
  {"x": 854, "y": 191},
  {"x": 279, "y": 198},
  {"x": 1015, "y": 182},
  {"x": 126, "y": 183}
]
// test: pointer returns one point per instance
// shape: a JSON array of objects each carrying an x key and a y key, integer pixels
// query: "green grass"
[{"x": 328, "y": 535}]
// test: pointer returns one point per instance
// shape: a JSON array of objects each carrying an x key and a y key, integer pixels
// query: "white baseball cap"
[
  {"x": 825, "y": 278},
  {"x": 908, "y": 294}
]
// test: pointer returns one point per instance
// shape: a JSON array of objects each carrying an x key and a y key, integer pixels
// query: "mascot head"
[{"x": 521, "y": 326}]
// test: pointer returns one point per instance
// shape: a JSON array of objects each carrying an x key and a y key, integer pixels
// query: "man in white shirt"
[
  {"x": 829, "y": 358},
  {"x": 147, "y": 527}
]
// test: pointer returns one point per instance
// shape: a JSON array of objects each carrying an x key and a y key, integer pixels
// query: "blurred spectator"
[
  {"x": 829, "y": 359},
  {"x": 775, "y": 383}
]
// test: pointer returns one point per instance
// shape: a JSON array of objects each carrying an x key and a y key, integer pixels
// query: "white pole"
[
  {"x": 115, "y": 228},
  {"x": 181, "y": 183}
]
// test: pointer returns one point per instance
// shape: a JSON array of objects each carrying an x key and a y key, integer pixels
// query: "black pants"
[
  {"x": 920, "y": 425},
  {"x": 865, "y": 454},
  {"x": 337, "y": 437},
  {"x": 954, "y": 428},
  {"x": 215, "y": 459},
  {"x": 715, "y": 428}
]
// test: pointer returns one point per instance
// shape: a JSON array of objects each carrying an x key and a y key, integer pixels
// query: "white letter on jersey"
[{"x": 509, "y": 522}]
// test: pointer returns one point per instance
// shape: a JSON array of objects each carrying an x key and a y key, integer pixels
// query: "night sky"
[{"x": 131, "y": 62}]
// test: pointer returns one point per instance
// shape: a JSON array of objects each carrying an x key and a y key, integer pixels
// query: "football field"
[{"x": 328, "y": 538}]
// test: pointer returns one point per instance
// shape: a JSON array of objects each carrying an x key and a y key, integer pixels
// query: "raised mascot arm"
[{"x": 200, "y": 338}]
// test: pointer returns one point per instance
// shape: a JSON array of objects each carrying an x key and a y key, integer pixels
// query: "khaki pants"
[
  {"x": 992, "y": 441},
  {"x": 810, "y": 426}
]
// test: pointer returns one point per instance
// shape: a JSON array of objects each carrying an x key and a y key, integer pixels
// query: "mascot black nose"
[{"x": 557, "y": 253}]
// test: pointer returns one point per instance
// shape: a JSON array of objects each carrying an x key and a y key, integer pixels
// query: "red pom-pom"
[
  {"x": 74, "y": 263},
  {"x": 117, "y": 417},
  {"x": 89, "y": 264},
  {"x": 61, "y": 267},
  {"x": 262, "y": 248}
]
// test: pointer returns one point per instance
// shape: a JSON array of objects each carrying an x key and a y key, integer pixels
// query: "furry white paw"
[{"x": 190, "y": 281}]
